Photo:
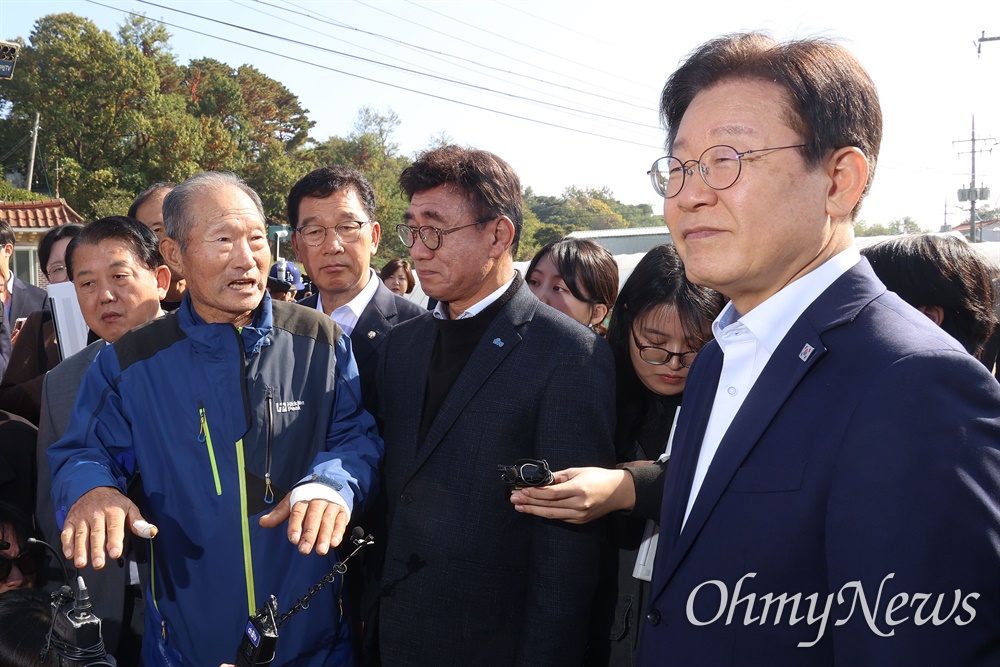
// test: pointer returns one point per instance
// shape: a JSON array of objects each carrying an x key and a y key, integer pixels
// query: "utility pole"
[
  {"x": 971, "y": 194},
  {"x": 57, "y": 178},
  {"x": 31, "y": 160}
]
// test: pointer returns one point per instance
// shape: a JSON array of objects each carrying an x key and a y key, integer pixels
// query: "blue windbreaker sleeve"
[
  {"x": 96, "y": 449},
  {"x": 353, "y": 455}
]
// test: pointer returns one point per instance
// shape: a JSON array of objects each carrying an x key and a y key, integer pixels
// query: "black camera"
[
  {"x": 526, "y": 472},
  {"x": 75, "y": 635}
]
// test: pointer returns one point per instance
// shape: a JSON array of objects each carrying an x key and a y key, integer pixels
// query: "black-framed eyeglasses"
[
  {"x": 28, "y": 563},
  {"x": 429, "y": 236},
  {"x": 346, "y": 232},
  {"x": 719, "y": 166},
  {"x": 660, "y": 356}
]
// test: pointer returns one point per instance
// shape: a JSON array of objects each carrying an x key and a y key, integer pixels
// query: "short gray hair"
[{"x": 178, "y": 213}]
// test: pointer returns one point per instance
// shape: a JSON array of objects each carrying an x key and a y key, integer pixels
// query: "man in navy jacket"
[
  {"x": 240, "y": 413},
  {"x": 834, "y": 492}
]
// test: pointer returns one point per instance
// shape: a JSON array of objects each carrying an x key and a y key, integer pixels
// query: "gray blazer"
[
  {"x": 107, "y": 586},
  {"x": 467, "y": 579}
]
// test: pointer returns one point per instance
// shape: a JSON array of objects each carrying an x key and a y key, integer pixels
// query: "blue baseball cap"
[{"x": 287, "y": 272}]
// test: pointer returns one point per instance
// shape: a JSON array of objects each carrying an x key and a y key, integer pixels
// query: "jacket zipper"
[
  {"x": 268, "y": 491},
  {"x": 241, "y": 476},
  {"x": 205, "y": 436}
]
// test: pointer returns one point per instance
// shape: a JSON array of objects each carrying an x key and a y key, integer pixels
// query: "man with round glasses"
[
  {"x": 835, "y": 477},
  {"x": 492, "y": 377}
]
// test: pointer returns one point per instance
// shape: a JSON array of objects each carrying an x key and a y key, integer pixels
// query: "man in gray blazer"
[
  {"x": 96, "y": 260},
  {"x": 490, "y": 377}
]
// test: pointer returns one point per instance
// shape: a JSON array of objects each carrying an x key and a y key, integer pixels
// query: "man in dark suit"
[
  {"x": 106, "y": 250},
  {"x": 491, "y": 377},
  {"x": 834, "y": 492},
  {"x": 335, "y": 234},
  {"x": 18, "y": 297}
]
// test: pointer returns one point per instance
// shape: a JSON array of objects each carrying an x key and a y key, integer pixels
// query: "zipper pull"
[
  {"x": 163, "y": 630},
  {"x": 204, "y": 422},
  {"x": 268, "y": 491}
]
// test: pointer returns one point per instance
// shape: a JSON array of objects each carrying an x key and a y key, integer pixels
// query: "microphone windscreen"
[{"x": 357, "y": 533}]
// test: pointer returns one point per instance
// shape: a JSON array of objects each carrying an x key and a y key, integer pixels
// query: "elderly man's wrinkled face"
[
  {"x": 115, "y": 289},
  {"x": 226, "y": 257}
]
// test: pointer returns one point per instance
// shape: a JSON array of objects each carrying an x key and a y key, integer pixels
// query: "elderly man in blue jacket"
[{"x": 240, "y": 413}]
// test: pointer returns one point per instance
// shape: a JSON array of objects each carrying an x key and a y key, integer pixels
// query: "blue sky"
[{"x": 576, "y": 83}]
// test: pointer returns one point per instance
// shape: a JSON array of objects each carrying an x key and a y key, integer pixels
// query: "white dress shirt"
[
  {"x": 747, "y": 344},
  {"x": 347, "y": 316},
  {"x": 478, "y": 307}
]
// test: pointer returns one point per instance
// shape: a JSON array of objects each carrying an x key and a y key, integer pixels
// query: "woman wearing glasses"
[{"x": 659, "y": 323}]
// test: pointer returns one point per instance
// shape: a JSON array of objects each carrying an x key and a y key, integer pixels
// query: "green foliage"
[
  {"x": 9, "y": 193},
  {"x": 905, "y": 225},
  {"x": 370, "y": 149},
  {"x": 121, "y": 113}
]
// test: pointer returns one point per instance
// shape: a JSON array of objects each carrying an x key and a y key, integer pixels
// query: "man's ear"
[
  {"x": 503, "y": 235},
  {"x": 171, "y": 251},
  {"x": 376, "y": 235},
  {"x": 848, "y": 170},
  {"x": 936, "y": 313},
  {"x": 295, "y": 244},
  {"x": 162, "y": 273}
]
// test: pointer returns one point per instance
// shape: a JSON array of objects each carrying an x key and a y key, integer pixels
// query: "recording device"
[
  {"x": 75, "y": 633},
  {"x": 260, "y": 637},
  {"x": 526, "y": 472},
  {"x": 8, "y": 56}
]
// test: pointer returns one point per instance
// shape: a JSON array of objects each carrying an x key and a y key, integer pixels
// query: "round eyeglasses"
[
  {"x": 719, "y": 166},
  {"x": 315, "y": 235},
  {"x": 429, "y": 236},
  {"x": 659, "y": 356}
]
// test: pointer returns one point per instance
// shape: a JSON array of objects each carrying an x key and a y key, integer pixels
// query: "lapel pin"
[
  {"x": 806, "y": 352},
  {"x": 498, "y": 342},
  {"x": 371, "y": 334}
]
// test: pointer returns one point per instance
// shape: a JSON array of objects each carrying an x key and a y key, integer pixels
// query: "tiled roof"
[{"x": 28, "y": 215}]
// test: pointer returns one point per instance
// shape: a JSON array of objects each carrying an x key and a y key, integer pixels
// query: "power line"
[
  {"x": 567, "y": 29},
  {"x": 474, "y": 44},
  {"x": 434, "y": 54},
  {"x": 397, "y": 67},
  {"x": 529, "y": 46},
  {"x": 384, "y": 83},
  {"x": 340, "y": 24}
]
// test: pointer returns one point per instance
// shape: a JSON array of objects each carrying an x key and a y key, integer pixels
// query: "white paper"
[{"x": 71, "y": 328}]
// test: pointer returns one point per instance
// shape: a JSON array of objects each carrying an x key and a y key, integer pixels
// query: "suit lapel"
[
  {"x": 500, "y": 339},
  {"x": 800, "y": 350},
  {"x": 373, "y": 326}
]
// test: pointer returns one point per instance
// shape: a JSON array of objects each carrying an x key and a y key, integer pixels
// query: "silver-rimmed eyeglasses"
[
  {"x": 346, "y": 232},
  {"x": 719, "y": 166},
  {"x": 659, "y": 356},
  {"x": 429, "y": 236}
]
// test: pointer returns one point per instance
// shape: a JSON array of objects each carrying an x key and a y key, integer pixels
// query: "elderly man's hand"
[
  {"x": 96, "y": 524},
  {"x": 318, "y": 523}
]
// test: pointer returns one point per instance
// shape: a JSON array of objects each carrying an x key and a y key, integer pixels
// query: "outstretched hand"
[
  {"x": 578, "y": 495},
  {"x": 317, "y": 523},
  {"x": 95, "y": 526}
]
